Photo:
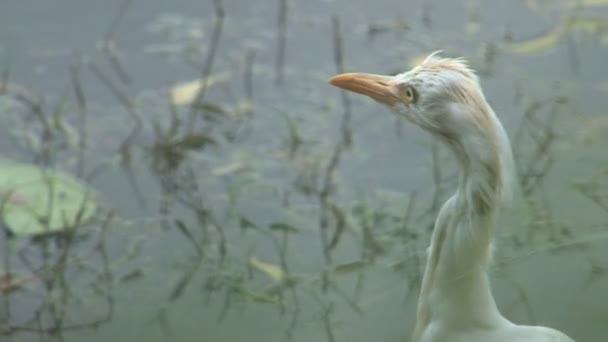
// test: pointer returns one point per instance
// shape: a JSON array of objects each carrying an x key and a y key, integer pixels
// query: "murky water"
[{"x": 225, "y": 240}]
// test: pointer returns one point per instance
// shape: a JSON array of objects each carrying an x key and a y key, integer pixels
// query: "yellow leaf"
[
  {"x": 228, "y": 169},
  {"x": 565, "y": 4},
  {"x": 184, "y": 94},
  {"x": 587, "y": 24},
  {"x": 242, "y": 108},
  {"x": 591, "y": 3},
  {"x": 273, "y": 271},
  {"x": 590, "y": 24},
  {"x": 538, "y": 44}
]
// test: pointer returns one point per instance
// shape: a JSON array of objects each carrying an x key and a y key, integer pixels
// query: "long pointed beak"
[{"x": 379, "y": 87}]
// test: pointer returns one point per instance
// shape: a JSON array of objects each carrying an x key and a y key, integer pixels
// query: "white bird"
[{"x": 443, "y": 97}]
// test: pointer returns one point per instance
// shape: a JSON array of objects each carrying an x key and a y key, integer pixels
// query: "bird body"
[{"x": 443, "y": 96}]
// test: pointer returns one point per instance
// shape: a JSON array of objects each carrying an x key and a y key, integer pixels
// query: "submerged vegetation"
[{"x": 249, "y": 189}]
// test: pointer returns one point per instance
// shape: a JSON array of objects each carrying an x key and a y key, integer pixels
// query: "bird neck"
[
  {"x": 455, "y": 287},
  {"x": 486, "y": 169}
]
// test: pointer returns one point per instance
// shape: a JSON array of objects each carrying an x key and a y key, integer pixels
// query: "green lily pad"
[{"x": 35, "y": 201}]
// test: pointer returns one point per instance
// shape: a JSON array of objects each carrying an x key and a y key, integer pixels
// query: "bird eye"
[{"x": 410, "y": 94}]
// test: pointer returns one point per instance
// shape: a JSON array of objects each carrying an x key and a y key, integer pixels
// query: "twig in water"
[
  {"x": 281, "y": 40},
  {"x": 6, "y": 75},
  {"x": 541, "y": 159},
  {"x": 427, "y": 8},
  {"x": 125, "y": 147},
  {"x": 590, "y": 192},
  {"x": 327, "y": 325},
  {"x": 409, "y": 210},
  {"x": 327, "y": 187},
  {"x": 248, "y": 74},
  {"x": 573, "y": 55},
  {"x": 109, "y": 45},
  {"x": 523, "y": 298},
  {"x": 208, "y": 64},
  {"x": 81, "y": 105},
  {"x": 339, "y": 62},
  {"x": 326, "y": 190},
  {"x": 352, "y": 302},
  {"x": 184, "y": 230},
  {"x": 341, "y": 224}
]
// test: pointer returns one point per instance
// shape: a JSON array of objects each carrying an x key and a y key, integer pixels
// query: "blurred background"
[{"x": 181, "y": 170}]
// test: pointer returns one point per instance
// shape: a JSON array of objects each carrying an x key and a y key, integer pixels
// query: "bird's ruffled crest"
[
  {"x": 435, "y": 62},
  {"x": 433, "y": 55}
]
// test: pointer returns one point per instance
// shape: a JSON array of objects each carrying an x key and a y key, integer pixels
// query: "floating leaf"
[
  {"x": 283, "y": 227},
  {"x": 184, "y": 94},
  {"x": 257, "y": 296},
  {"x": 10, "y": 282},
  {"x": 273, "y": 271},
  {"x": 34, "y": 201},
  {"x": 245, "y": 223},
  {"x": 132, "y": 275},
  {"x": 210, "y": 107},
  {"x": 228, "y": 169},
  {"x": 350, "y": 267},
  {"x": 193, "y": 141},
  {"x": 377, "y": 28},
  {"x": 397, "y": 26}
]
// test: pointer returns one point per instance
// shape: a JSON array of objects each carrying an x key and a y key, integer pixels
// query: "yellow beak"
[{"x": 379, "y": 87}]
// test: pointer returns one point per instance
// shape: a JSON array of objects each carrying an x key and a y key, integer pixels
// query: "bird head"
[{"x": 441, "y": 95}]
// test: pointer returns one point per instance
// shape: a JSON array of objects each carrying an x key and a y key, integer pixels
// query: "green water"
[{"x": 212, "y": 230}]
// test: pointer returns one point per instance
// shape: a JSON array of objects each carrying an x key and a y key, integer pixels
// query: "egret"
[{"x": 443, "y": 96}]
